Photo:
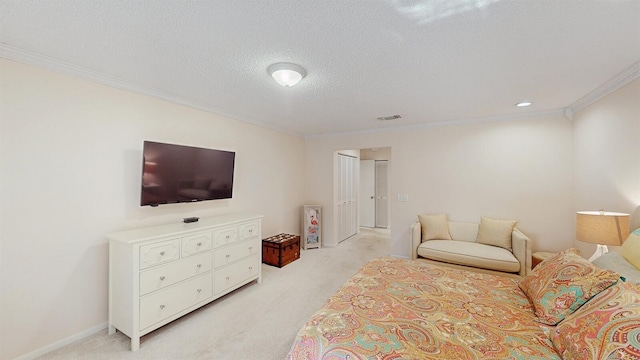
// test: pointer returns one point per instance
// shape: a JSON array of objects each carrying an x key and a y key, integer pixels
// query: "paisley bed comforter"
[{"x": 395, "y": 308}]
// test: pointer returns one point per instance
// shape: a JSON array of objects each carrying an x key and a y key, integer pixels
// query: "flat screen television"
[{"x": 177, "y": 173}]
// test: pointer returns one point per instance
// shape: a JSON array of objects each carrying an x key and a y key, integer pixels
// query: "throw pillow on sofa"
[
  {"x": 434, "y": 227},
  {"x": 495, "y": 232}
]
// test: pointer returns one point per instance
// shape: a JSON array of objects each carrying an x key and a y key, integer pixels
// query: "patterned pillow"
[
  {"x": 560, "y": 285},
  {"x": 606, "y": 327}
]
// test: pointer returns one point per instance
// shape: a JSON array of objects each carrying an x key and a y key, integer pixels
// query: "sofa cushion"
[
  {"x": 463, "y": 231},
  {"x": 495, "y": 232},
  {"x": 470, "y": 254},
  {"x": 434, "y": 227}
]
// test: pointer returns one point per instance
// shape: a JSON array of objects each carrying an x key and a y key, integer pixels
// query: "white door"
[
  {"x": 347, "y": 197},
  {"x": 367, "y": 198},
  {"x": 382, "y": 194}
]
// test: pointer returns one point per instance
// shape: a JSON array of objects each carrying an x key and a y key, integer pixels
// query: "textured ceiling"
[{"x": 430, "y": 61}]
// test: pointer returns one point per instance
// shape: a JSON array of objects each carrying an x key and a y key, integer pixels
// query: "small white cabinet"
[{"x": 158, "y": 274}]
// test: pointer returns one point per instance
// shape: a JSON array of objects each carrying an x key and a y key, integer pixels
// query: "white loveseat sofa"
[{"x": 491, "y": 246}]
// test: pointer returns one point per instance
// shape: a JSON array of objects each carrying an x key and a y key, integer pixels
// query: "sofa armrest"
[
  {"x": 521, "y": 245},
  {"x": 416, "y": 239}
]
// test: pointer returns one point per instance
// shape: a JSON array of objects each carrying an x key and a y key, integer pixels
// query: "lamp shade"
[{"x": 603, "y": 228}]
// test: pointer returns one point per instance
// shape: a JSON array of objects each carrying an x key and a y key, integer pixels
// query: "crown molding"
[
  {"x": 468, "y": 121},
  {"x": 41, "y": 61},
  {"x": 626, "y": 76},
  {"x": 48, "y": 63},
  {"x": 568, "y": 113}
]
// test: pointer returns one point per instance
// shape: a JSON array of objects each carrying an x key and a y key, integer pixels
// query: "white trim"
[
  {"x": 26, "y": 57},
  {"x": 506, "y": 117},
  {"x": 568, "y": 113},
  {"x": 62, "y": 343},
  {"x": 626, "y": 76},
  {"x": 48, "y": 63}
]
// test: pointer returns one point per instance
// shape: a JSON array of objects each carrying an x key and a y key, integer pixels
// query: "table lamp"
[{"x": 602, "y": 228}]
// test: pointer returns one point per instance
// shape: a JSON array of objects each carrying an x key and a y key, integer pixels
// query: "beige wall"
[
  {"x": 510, "y": 169},
  {"x": 70, "y": 166},
  {"x": 377, "y": 154},
  {"x": 607, "y": 155},
  {"x": 539, "y": 171}
]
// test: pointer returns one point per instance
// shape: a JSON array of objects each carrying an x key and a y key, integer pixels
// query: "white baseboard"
[{"x": 64, "y": 342}]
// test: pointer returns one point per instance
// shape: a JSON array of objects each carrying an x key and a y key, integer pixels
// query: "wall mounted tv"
[{"x": 177, "y": 173}]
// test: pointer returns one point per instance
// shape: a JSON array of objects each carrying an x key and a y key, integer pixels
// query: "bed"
[{"x": 395, "y": 308}]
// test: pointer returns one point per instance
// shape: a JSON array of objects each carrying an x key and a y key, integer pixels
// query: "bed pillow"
[
  {"x": 495, "y": 232},
  {"x": 434, "y": 227},
  {"x": 615, "y": 262},
  {"x": 606, "y": 327},
  {"x": 630, "y": 249},
  {"x": 561, "y": 284}
]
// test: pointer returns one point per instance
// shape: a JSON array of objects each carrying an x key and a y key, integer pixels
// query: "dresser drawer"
[
  {"x": 225, "y": 236},
  {"x": 234, "y": 274},
  {"x": 168, "y": 302},
  {"x": 235, "y": 252},
  {"x": 197, "y": 243},
  {"x": 249, "y": 230},
  {"x": 162, "y": 276},
  {"x": 159, "y": 253}
]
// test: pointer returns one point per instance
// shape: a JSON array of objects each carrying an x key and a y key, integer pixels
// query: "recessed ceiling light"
[
  {"x": 524, "y": 104},
  {"x": 286, "y": 74}
]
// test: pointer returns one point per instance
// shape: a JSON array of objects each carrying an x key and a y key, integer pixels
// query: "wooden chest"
[{"x": 279, "y": 250}]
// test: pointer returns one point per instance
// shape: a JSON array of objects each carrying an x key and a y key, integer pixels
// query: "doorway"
[
  {"x": 382, "y": 194},
  {"x": 374, "y": 188},
  {"x": 374, "y": 191},
  {"x": 348, "y": 195}
]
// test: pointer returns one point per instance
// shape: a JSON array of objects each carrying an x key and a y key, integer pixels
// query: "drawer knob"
[
  {"x": 228, "y": 256},
  {"x": 199, "y": 266},
  {"x": 250, "y": 267},
  {"x": 161, "y": 253},
  {"x": 250, "y": 247},
  {"x": 228, "y": 278},
  {"x": 161, "y": 307},
  {"x": 199, "y": 290},
  {"x": 227, "y": 236},
  {"x": 250, "y": 230},
  {"x": 161, "y": 278},
  {"x": 199, "y": 244}
]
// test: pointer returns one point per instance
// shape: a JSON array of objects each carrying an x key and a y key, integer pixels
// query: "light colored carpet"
[{"x": 253, "y": 322}]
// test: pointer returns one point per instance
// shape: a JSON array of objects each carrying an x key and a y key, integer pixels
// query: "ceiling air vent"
[{"x": 387, "y": 118}]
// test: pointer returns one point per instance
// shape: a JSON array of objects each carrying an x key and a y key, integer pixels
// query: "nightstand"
[{"x": 540, "y": 256}]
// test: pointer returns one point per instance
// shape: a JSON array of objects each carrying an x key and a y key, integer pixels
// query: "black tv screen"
[{"x": 177, "y": 173}]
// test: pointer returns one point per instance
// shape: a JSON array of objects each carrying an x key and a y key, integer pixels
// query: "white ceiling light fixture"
[
  {"x": 286, "y": 74},
  {"x": 524, "y": 104}
]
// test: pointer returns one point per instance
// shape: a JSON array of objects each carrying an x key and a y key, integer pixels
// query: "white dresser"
[{"x": 160, "y": 273}]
